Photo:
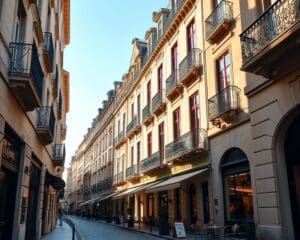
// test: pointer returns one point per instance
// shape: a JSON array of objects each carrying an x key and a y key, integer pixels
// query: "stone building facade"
[
  {"x": 206, "y": 119},
  {"x": 34, "y": 101}
]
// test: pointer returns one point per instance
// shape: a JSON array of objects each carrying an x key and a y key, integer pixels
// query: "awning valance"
[
  {"x": 92, "y": 200},
  {"x": 173, "y": 182}
]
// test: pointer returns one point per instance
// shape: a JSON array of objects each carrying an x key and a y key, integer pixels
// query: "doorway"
[
  {"x": 292, "y": 153},
  {"x": 32, "y": 208}
]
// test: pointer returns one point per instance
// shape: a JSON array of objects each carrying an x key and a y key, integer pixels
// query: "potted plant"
[
  {"x": 163, "y": 225},
  {"x": 130, "y": 218}
]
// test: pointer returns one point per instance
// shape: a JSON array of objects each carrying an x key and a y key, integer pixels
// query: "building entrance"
[{"x": 292, "y": 153}]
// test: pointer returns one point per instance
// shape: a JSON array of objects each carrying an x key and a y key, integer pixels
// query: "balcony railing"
[
  {"x": 173, "y": 86},
  {"x": 217, "y": 22},
  {"x": 119, "y": 178},
  {"x": 132, "y": 171},
  {"x": 48, "y": 51},
  {"x": 189, "y": 65},
  {"x": 151, "y": 162},
  {"x": 193, "y": 141},
  {"x": 133, "y": 127},
  {"x": 159, "y": 102},
  {"x": 224, "y": 101},
  {"x": 120, "y": 139},
  {"x": 58, "y": 154},
  {"x": 277, "y": 19},
  {"x": 146, "y": 114},
  {"x": 46, "y": 124},
  {"x": 26, "y": 75}
]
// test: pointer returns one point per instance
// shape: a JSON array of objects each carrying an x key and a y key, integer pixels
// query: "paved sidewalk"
[{"x": 63, "y": 232}]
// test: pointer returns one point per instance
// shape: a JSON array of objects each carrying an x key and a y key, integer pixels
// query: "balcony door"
[
  {"x": 160, "y": 79},
  {"x": 194, "y": 118},
  {"x": 223, "y": 65},
  {"x": 149, "y": 95},
  {"x": 161, "y": 141}
]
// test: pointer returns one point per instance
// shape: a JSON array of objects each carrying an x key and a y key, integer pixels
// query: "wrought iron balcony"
[
  {"x": 148, "y": 118},
  {"x": 224, "y": 104},
  {"x": 119, "y": 179},
  {"x": 59, "y": 106},
  {"x": 192, "y": 142},
  {"x": 48, "y": 52},
  {"x": 151, "y": 162},
  {"x": 270, "y": 45},
  {"x": 133, "y": 127},
  {"x": 120, "y": 139},
  {"x": 45, "y": 124},
  {"x": 132, "y": 172},
  {"x": 189, "y": 67},
  {"x": 94, "y": 188},
  {"x": 159, "y": 102},
  {"x": 26, "y": 77},
  {"x": 58, "y": 154},
  {"x": 218, "y": 22},
  {"x": 173, "y": 86}
]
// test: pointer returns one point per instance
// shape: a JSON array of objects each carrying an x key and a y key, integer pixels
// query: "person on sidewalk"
[{"x": 60, "y": 215}]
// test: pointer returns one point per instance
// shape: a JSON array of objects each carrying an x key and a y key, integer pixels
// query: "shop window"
[{"x": 237, "y": 187}]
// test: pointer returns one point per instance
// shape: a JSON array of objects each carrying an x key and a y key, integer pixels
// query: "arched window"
[{"x": 237, "y": 187}]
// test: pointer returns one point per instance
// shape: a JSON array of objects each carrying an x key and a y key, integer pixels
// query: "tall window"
[
  {"x": 119, "y": 126},
  {"x": 216, "y": 2},
  {"x": 20, "y": 23},
  {"x": 194, "y": 117},
  {"x": 174, "y": 57},
  {"x": 149, "y": 143},
  {"x": 223, "y": 71},
  {"x": 160, "y": 77},
  {"x": 176, "y": 123},
  {"x": 191, "y": 35},
  {"x": 138, "y": 152},
  {"x": 139, "y": 107},
  {"x": 132, "y": 111},
  {"x": 149, "y": 94},
  {"x": 124, "y": 117},
  {"x": 161, "y": 141},
  {"x": 132, "y": 155}
]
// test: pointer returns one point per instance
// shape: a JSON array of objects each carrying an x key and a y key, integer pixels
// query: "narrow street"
[{"x": 92, "y": 230}]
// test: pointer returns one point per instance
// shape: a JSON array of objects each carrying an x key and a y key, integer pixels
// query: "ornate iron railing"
[
  {"x": 225, "y": 100},
  {"x": 146, "y": 111},
  {"x": 275, "y": 20},
  {"x": 58, "y": 152},
  {"x": 158, "y": 98},
  {"x": 192, "y": 60},
  {"x": 193, "y": 140},
  {"x": 134, "y": 122},
  {"x": 222, "y": 12},
  {"x": 132, "y": 170},
  {"x": 172, "y": 81},
  {"x": 151, "y": 162},
  {"x": 48, "y": 45},
  {"x": 25, "y": 62},
  {"x": 46, "y": 118}
]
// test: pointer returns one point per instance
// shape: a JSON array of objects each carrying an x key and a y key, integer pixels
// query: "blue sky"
[{"x": 99, "y": 53}]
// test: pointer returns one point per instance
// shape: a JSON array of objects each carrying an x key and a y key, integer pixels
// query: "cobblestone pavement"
[
  {"x": 63, "y": 232},
  {"x": 92, "y": 230}
]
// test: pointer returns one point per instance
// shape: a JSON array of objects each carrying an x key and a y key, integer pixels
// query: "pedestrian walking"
[{"x": 60, "y": 215}]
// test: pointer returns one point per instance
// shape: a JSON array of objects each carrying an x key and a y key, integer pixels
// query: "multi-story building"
[
  {"x": 205, "y": 121},
  {"x": 34, "y": 100}
]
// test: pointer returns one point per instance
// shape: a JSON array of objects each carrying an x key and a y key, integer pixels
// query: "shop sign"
[
  {"x": 180, "y": 230},
  {"x": 10, "y": 154}
]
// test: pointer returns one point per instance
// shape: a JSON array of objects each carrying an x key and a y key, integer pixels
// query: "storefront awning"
[
  {"x": 173, "y": 182},
  {"x": 109, "y": 196},
  {"x": 133, "y": 190},
  {"x": 92, "y": 200}
]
